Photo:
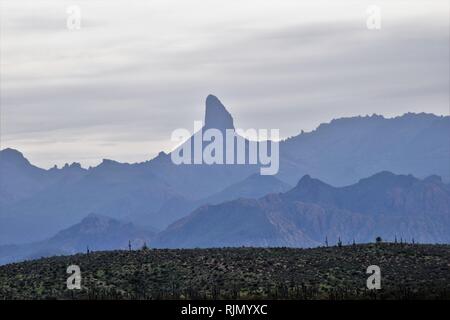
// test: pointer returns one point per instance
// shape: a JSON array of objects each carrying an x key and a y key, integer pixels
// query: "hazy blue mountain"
[
  {"x": 340, "y": 152},
  {"x": 254, "y": 186},
  {"x": 385, "y": 205},
  {"x": 345, "y": 150},
  {"x": 95, "y": 231},
  {"x": 18, "y": 177},
  {"x": 116, "y": 190},
  {"x": 381, "y": 194},
  {"x": 37, "y": 203}
]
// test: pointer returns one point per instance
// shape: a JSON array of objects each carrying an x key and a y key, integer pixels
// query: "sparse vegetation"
[{"x": 408, "y": 272}]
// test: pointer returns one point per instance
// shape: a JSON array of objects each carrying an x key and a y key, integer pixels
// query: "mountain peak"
[
  {"x": 108, "y": 163},
  {"x": 13, "y": 156},
  {"x": 216, "y": 115},
  {"x": 307, "y": 183}
]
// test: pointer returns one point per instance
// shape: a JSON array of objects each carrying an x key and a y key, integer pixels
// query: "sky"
[{"x": 134, "y": 71}]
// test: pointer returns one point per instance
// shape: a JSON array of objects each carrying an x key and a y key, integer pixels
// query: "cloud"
[{"x": 117, "y": 88}]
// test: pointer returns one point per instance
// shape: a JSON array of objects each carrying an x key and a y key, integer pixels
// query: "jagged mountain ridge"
[{"x": 387, "y": 205}]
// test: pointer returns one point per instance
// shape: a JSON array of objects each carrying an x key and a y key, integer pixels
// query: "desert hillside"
[{"x": 408, "y": 271}]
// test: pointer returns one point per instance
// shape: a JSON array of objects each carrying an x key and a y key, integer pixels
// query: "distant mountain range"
[
  {"x": 93, "y": 233},
  {"x": 35, "y": 203},
  {"x": 385, "y": 205}
]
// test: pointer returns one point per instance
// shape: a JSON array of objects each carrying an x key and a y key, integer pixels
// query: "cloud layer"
[{"x": 137, "y": 70}]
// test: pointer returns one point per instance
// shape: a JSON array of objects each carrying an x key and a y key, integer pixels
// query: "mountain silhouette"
[
  {"x": 385, "y": 205},
  {"x": 95, "y": 232}
]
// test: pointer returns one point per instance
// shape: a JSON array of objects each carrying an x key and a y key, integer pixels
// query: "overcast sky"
[{"x": 137, "y": 70}]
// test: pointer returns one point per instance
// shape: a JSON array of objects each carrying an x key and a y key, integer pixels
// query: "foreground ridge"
[{"x": 409, "y": 271}]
